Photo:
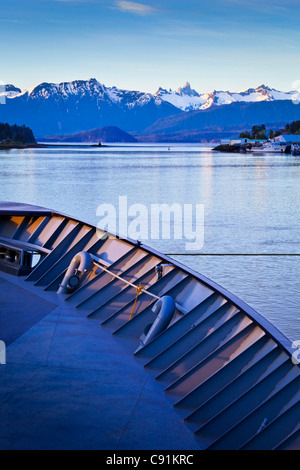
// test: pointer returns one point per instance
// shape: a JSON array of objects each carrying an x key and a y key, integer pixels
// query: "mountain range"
[
  {"x": 82, "y": 105},
  {"x": 187, "y": 99},
  {"x": 79, "y": 106}
]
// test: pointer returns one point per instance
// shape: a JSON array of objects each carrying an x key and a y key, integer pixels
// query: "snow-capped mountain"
[
  {"x": 9, "y": 91},
  {"x": 184, "y": 98},
  {"x": 81, "y": 105},
  {"x": 81, "y": 89},
  {"x": 187, "y": 99}
]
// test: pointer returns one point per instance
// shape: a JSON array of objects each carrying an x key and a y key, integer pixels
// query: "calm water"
[{"x": 251, "y": 206}]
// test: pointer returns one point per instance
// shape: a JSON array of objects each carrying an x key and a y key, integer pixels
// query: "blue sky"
[{"x": 213, "y": 44}]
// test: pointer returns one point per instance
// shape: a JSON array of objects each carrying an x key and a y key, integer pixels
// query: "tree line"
[
  {"x": 18, "y": 134},
  {"x": 259, "y": 132}
]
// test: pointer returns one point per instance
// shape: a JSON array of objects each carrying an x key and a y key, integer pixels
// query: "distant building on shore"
[
  {"x": 287, "y": 139},
  {"x": 241, "y": 141}
]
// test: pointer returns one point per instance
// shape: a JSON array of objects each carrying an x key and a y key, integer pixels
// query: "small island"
[
  {"x": 95, "y": 137},
  {"x": 17, "y": 137}
]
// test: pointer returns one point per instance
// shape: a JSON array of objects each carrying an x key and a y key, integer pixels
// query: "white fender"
[
  {"x": 165, "y": 308},
  {"x": 2, "y": 353},
  {"x": 78, "y": 267}
]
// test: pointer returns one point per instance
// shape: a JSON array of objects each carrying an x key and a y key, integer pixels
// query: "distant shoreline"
[{"x": 15, "y": 145}]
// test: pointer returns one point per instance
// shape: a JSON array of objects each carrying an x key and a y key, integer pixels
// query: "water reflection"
[{"x": 251, "y": 205}]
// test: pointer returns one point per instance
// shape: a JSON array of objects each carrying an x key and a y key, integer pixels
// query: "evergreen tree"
[
  {"x": 21, "y": 134},
  {"x": 245, "y": 135},
  {"x": 259, "y": 132}
]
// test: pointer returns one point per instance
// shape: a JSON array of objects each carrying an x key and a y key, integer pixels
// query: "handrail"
[{"x": 98, "y": 263}]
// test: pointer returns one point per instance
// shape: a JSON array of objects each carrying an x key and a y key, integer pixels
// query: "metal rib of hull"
[{"x": 226, "y": 372}]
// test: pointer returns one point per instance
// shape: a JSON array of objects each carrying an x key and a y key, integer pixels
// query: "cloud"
[
  {"x": 133, "y": 7},
  {"x": 122, "y": 5}
]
